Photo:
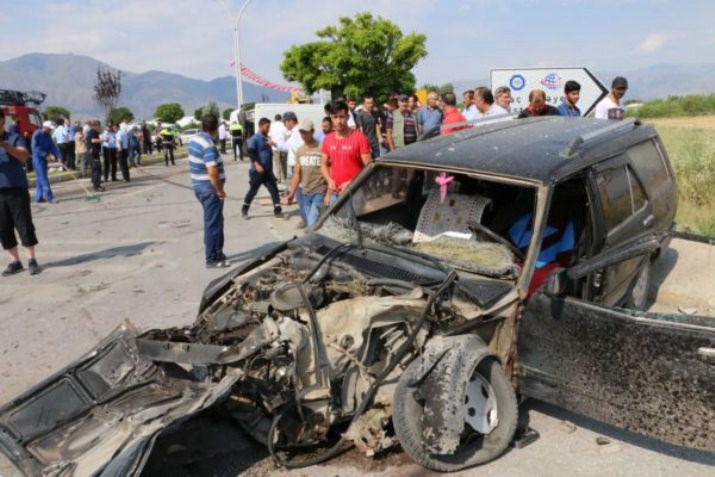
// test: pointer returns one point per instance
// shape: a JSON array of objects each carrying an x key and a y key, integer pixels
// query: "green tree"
[
  {"x": 441, "y": 89},
  {"x": 197, "y": 113},
  {"x": 55, "y": 113},
  {"x": 226, "y": 115},
  {"x": 211, "y": 108},
  {"x": 169, "y": 112},
  {"x": 362, "y": 55},
  {"x": 117, "y": 114}
]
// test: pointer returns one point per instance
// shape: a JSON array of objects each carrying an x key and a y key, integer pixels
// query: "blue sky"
[{"x": 464, "y": 38}]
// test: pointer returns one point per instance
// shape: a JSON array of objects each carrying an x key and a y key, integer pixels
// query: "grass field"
[{"x": 691, "y": 145}]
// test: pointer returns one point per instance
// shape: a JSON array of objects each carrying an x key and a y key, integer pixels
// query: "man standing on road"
[
  {"x": 167, "y": 142},
  {"x": 345, "y": 152},
  {"x": 208, "y": 179},
  {"x": 572, "y": 92},
  {"x": 261, "y": 171},
  {"x": 484, "y": 101},
  {"x": 429, "y": 117},
  {"x": 307, "y": 176},
  {"x": 537, "y": 106},
  {"x": 293, "y": 141},
  {"x": 123, "y": 152},
  {"x": 61, "y": 137},
  {"x": 42, "y": 146},
  {"x": 146, "y": 138},
  {"x": 611, "y": 107},
  {"x": 452, "y": 114},
  {"x": 93, "y": 145},
  {"x": 110, "y": 153},
  {"x": 278, "y": 135},
  {"x": 502, "y": 97},
  {"x": 367, "y": 122},
  {"x": 15, "y": 210},
  {"x": 222, "y": 136},
  {"x": 236, "y": 139}
]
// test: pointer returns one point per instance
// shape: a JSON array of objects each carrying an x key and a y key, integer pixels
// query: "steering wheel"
[{"x": 491, "y": 236}]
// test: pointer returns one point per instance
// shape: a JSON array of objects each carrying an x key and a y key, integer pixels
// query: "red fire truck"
[{"x": 21, "y": 109}]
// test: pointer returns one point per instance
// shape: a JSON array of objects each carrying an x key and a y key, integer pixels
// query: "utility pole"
[{"x": 237, "y": 54}]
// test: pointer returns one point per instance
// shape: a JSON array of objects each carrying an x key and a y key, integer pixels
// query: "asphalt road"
[{"x": 137, "y": 254}]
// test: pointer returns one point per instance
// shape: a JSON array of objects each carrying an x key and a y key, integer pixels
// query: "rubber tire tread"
[{"x": 407, "y": 413}]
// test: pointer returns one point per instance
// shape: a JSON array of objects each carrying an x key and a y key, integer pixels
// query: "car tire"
[
  {"x": 478, "y": 448},
  {"x": 641, "y": 294}
]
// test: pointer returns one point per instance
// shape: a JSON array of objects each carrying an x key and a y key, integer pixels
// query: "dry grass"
[{"x": 697, "y": 122}]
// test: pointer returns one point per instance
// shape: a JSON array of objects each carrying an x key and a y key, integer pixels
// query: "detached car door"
[{"x": 648, "y": 373}]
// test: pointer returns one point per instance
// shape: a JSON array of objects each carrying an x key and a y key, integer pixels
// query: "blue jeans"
[
  {"x": 42, "y": 184},
  {"x": 311, "y": 207},
  {"x": 375, "y": 151},
  {"x": 213, "y": 224}
]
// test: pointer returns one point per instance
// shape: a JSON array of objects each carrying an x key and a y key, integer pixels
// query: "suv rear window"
[
  {"x": 649, "y": 163},
  {"x": 621, "y": 194}
]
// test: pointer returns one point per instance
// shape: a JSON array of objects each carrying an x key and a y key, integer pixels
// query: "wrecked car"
[{"x": 450, "y": 280}]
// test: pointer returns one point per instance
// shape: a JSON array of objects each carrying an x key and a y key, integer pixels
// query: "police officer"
[
  {"x": 167, "y": 138},
  {"x": 236, "y": 139}
]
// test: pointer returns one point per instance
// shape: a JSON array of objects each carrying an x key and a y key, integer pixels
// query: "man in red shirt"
[
  {"x": 345, "y": 152},
  {"x": 451, "y": 114}
]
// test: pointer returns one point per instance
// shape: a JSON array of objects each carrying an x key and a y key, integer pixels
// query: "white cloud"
[{"x": 653, "y": 42}]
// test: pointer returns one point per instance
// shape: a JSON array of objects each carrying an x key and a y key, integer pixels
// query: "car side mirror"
[{"x": 556, "y": 282}]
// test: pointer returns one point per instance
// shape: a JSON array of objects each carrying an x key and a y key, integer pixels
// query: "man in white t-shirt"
[
  {"x": 279, "y": 134},
  {"x": 611, "y": 107}
]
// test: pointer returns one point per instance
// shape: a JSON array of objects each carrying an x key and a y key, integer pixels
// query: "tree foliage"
[
  {"x": 209, "y": 108},
  {"x": 226, "y": 115},
  {"x": 361, "y": 55},
  {"x": 107, "y": 89},
  {"x": 169, "y": 112},
  {"x": 55, "y": 113},
  {"x": 441, "y": 89},
  {"x": 117, "y": 114}
]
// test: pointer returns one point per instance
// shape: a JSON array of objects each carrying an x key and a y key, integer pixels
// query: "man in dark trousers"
[
  {"x": 236, "y": 139},
  {"x": 167, "y": 138},
  {"x": 15, "y": 211},
  {"x": 94, "y": 147},
  {"x": 261, "y": 171}
]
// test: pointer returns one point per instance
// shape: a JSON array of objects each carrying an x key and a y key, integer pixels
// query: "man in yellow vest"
[
  {"x": 236, "y": 139},
  {"x": 167, "y": 137}
]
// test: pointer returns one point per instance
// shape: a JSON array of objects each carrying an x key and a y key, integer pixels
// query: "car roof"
[{"x": 539, "y": 150}]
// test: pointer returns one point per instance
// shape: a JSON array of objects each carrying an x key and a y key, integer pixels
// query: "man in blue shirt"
[
  {"x": 207, "y": 179},
  {"x": 261, "y": 171},
  {"x": 42, "y": 146},
  {"x": 429, "y": 117},
  {"x": 15, "y": 212},
  {"x": 572, "y": 92}
]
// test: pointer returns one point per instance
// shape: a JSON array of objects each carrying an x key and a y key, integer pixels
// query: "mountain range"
[{"x": 68, "y": 80}]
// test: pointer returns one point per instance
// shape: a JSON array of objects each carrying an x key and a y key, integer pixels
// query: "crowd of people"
[{"x": 313, "y": 165}]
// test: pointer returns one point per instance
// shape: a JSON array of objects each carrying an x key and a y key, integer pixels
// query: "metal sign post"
[{"x": 551, "y": 81}]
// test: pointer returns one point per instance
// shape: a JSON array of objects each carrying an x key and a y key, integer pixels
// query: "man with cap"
[
  {"x": 42, "y": 146},
  {"x": 308, "y": 183},
  {"x": 15, "y": 211},
  {"x": 611, "y": 107}
]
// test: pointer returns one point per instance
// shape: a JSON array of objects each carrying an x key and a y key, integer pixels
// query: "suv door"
[
  {"x": 625, "y": 213},
  {"x": 644, "y": 372}
]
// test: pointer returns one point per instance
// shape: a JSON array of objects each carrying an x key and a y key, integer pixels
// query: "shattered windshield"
[{"x": 437, "y": 214}]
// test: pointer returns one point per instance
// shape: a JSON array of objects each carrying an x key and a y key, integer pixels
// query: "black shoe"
[
  {"x": 13, "y": 268},
  {"x": 33, "y": 267},
  {"x": 99, "y": 189},
  {"x": 244, "y": 213},
  {"x": 278, "y": 214}
]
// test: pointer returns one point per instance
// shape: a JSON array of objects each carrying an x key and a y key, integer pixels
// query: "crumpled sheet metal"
[{"x": 101, "y": 415}]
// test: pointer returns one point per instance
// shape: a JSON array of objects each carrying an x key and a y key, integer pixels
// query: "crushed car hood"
[{"x": 102, "y": 414}]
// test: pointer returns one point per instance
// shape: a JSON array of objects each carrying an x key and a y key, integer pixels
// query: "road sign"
[{"x": 551, "y": 81}]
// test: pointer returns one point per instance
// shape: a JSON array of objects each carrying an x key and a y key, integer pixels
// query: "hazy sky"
[{"x": 464, "y": 37}]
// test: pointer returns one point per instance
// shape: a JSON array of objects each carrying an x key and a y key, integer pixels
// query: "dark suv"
[{"x": 450, "y": 277}]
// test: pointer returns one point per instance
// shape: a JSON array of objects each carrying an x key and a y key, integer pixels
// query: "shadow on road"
[
  {"x": 207, "y": 445},
  {"x": 123, "y": 251},
  {"x": 692, "y": 455}
]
